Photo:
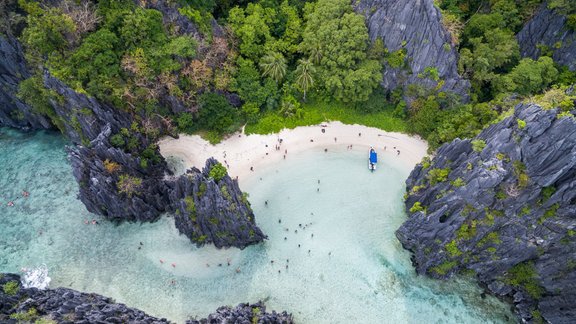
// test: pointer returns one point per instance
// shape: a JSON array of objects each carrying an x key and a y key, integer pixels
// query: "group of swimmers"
[{"x": 25, "y": 194}]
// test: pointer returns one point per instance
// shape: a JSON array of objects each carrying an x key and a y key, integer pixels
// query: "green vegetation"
[
  {"x": 217, "y": 172},
  {"x": 315, "y": 112},
  {"x": 478, "y": 145},
  {"x": 443, "y": 268},
  {"x": 467, "y": 231},
  {"x": 435, "y": 175},
  {"x": 546, "y": 193},
  {"x": 190, "y": 206},
  {"x": 129, "y": 185},
  {"x": 452, "y": 249},
  {"x": 417, "y": 207},
  {"x": 520, "y": 172},
  {"x": 549, "y": 213},
  {"x": 521, "y": 124},
  {"x": 11, "y": 288},
  {"x": 524, "y": 275},
  {"x": 291, "y": 62},
  {"x": 25, "y": 317},
  {"x": 458, "y": 182}
]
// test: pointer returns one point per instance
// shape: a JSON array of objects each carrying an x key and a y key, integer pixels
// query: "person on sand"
[
  {"x": 335, "y": 139},
  {"x": 286, "y": 151},
  {"x": 251, "y": 168},
  {"x": 398, "y": 152},
  {"x": 325, "y": 150},
  {"x": 359, "y": 134},
  {"x": 323, "y": 130}
]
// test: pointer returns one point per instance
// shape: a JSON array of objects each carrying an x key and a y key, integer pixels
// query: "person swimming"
[{"x": 10, "y": 204}]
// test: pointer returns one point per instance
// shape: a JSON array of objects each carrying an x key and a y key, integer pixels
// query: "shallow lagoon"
[{"x": 356, "y": 270}]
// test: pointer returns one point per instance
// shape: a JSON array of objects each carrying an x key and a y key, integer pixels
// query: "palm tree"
[
  {"x": 273, "y": 65},
  {"x": 304, "y": 78},
  {"x": 315, "y": 52}
]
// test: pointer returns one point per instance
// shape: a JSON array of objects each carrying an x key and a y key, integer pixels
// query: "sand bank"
[{"x": 241, "y": 152}]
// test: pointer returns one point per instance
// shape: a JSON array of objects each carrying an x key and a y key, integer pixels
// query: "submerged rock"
[
  {"x": 212, "y": 209},
  {"x": 549, "y": 30},
  {"x": 414, "y": 26},
  {"x": 245, "y": 313},
  {"x": 503, "y": 207}
]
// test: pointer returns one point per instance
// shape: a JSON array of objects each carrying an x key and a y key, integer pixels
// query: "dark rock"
[
  {"x": 213, "y": 211},
  {"x": 548, "y": 28},
  {"x": 245, "y": 313},
  {"x": 506, "y": 212},
  {"x": 13, "y": 111},
  {"x": 416, "y": 26},
  {"x": 67, "y": 306}
]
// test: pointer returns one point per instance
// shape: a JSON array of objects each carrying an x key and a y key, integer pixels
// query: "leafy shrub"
[
  {"x": 28, "y": 316},
  {"x": 111, "y": 166},
  {"x": 417, "y": 207},
  {"x": 524, "y": 275},
  {"x": 129, "y": 185},
  {"x": 478, "y": 145},
  {"x": 437, "y": 175},
  {"x": 11, "y": 288},
  {"x": 521, "y": 123},
  {"x": 452, "y": 249},
  {"x": 444, "y": 267},
  {"x": 217, "y": 172},
  {"x": 458, "y": 182}
]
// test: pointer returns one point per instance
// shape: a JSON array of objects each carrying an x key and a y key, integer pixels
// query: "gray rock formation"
[
  {"x": 212, "y": 210},
  {"x": 245, "y": 313},
  {"x": 101, "y": 169},
  {"x": 548, "y": 28},
  {"x": 415, "y": 26},
  {"x": 64, "y": 305},
  {"x": 503, "y": 207},
  {"x": 13, "y": 111}
]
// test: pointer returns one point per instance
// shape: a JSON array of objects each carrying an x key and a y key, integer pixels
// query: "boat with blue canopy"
[{"x": 372, "y": 159}]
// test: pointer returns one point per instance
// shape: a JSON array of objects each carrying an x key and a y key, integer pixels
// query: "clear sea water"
[{"x": 356, "y": 270}]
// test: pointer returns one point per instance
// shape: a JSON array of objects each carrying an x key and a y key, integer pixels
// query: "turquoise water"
[{"x": 356, "y": 270}]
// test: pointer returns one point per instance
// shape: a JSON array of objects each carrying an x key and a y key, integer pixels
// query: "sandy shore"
[{"x": 240, "y": 152}]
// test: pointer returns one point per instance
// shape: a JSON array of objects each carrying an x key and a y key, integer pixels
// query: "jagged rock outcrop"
[
  {"x": 62, "y": 305},
  {"x": 245, "y": 313},
  {"x": 548, "y": 29},
  {"x": 213, "y": 209},
  {"x": 502, "y": 206},
  {"x": 13, "y": 111},
  {"x": 416, "y": 27}
]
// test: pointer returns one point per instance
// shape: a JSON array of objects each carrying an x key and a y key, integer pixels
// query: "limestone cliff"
[
  {"x": 13, "y": 111},
  {"x": 502, "y": 207},
  {"x": 118, "y": 184},
  {"x": 414, "y": 26},
  {"x": 213, "y": 209},
  {"x": 548, "y": 31}
]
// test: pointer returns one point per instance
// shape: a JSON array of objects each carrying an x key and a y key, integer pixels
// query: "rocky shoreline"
[
  {"x": 502, "y": 207},
  {"x": 63, "y": 305}
]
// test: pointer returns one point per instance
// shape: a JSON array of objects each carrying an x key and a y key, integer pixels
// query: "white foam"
[{"x": 36, "y": 277}]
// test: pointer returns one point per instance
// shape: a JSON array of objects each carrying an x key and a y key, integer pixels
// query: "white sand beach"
[{"x": 241, "y": 152}]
